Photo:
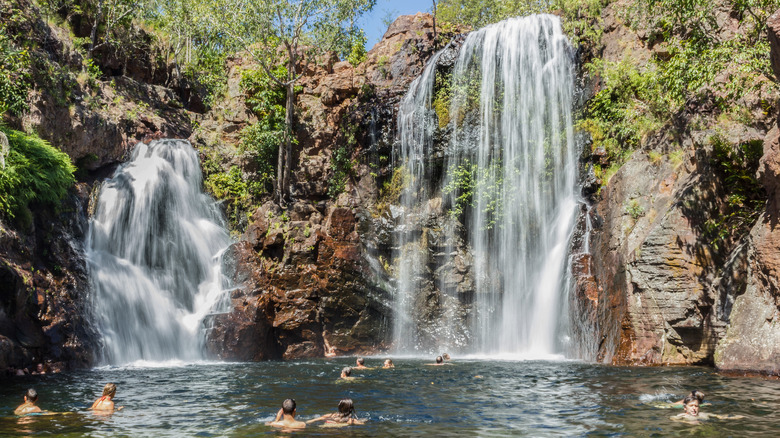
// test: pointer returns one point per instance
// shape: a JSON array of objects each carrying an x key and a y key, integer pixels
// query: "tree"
[
  {"x": 108, "y": 15},
  {"x": 287, "y": 32}
]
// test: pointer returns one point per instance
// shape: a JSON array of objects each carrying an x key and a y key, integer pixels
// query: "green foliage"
[
  {"x": 619, "y": 115},
  {"x": 341, "y": 166},
  {"x": 263, "y": 145},
  {"x": 391, "y": 190},
  {"x": 357, "y": 52},
  {"x": 694, "y": 65},
  {"x": 468, "y": 179},
  {"x": 442, "y": 98},
  {"x": 479, "y": 13},
  {"x": 634, "y": 209},
  {"x": 14, "y": 76},
  {"x": 745, "y": 197},
  {"x": 35, "y": 172},
  {"x": 231, "y": 187},
  {"x": 208, "y": 70}
]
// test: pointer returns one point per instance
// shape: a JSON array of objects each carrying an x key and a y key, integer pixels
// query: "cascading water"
[
  {"x": 153, "y": 250},
  {"x": 509, "y": 175}
]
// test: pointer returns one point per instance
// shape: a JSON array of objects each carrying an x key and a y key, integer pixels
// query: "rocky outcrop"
[
  {"x": 308, "y": 279},
  {"x": 96, "y": 118},
  {"x": 670, "y": 281},
  {"x": 43, "y": 287}
]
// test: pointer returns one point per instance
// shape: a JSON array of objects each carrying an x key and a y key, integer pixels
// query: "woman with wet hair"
[
  {"x": 106, "y": 402},
  {"x": 344, "y": 417}
]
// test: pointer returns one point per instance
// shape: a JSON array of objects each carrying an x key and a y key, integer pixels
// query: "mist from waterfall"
[
  {"x": 154, "y": 247},
  {"x": 510, "y": 166}
]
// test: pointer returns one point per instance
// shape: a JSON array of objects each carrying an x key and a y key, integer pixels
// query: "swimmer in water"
[
  {"x": 696, "y": 394},
  {"x": 346, "y": 373},
  {"x": 692, "y": 414},
  {"x": 439, "y": 361},
  {"x": 106, "y": 402},
  {"x": 388, "y": 364},
  {"x": 445, "y": 356},
  {"x": 28, "y": 407},
  {"x": 360, "y": 363},
  {"x": 287, "y": 418},
  {"x": 344, "y": 417}
]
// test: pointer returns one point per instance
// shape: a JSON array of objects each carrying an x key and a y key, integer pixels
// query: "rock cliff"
[{"x": 663, "y": 287}]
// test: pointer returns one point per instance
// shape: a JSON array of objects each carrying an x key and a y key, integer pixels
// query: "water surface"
[{"x": 466, "y": 398}]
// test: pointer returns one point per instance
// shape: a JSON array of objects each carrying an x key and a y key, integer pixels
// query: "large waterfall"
[
  {"x": 503, "y": 183},
  {"x": 153, "y": 251}
]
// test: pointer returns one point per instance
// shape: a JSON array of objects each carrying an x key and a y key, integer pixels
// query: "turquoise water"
[{"x": 466, "y": 398}]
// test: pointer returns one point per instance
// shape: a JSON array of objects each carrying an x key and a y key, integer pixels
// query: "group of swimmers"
[
  {"x": 104, "y": 404},
  {"x": 285, "y": 418},
  {"x": 345, "y": 416}
]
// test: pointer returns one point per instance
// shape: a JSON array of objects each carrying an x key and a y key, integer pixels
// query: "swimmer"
[
  {"x": 28, "y": 407},
  {"x": 345, "y": 416},
  {"x": 692, "y": 414},
  {"x": 388, "y": 364},
  {"x": 106, "y": 402},
  {"x": 696, "y": 394},
  {"x": 360, "y": 363},
  {"x": 346, "y": 373},
  {"x": 445, "y": 356},
  {"x": 287, "y": 418},
  {"x": 439, "y": 361}
]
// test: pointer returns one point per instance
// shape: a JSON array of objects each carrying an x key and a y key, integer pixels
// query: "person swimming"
[
  {"x": 692, "y": 414},
  {"x": 285, "y": 418},
  {"x": 106, "y": 402},
  {"x": 445, "y": 356},
  {"x": 360, "y": 363},
  {"x": 29, "y": 406},
  {"x": 696, "y": 394},
  {"x": 388, "y": 364},
  {"x": 345, "y": 415},
  {"x": 346, "y": 373},
  {"x": 439, "y": 361}
]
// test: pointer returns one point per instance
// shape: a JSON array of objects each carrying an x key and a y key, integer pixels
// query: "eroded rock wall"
[
  {"x": 668, "y": 291},
  {"x": 310, "y": 279}
]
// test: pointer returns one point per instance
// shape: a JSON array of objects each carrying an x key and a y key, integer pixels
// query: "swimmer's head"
[
  {"x": 691, "y": 405},
  {"x": 31, "y": 395},
  {"x": 346, "y": 407},
  {"x": 439, "y": 359},
  {"x": 698, "y": 394},
  {"x": 346, "y": 371},
  {"x": 109, "y": 390},
  {"x": 388, "y": 363},
  {"x": 288, "y": 406},
  {"x": 361, "y": 361},
  {"x": 446, "y": 356}
]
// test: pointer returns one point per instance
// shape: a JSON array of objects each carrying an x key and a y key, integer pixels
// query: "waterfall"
[
  {"x": 154, "y": 245},
  {"x": 506, "y": 187}
]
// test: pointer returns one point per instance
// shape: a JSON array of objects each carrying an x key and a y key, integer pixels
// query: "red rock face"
[
  {"x": 304, "y": 285},
  {"x": 668, "y": 293}
]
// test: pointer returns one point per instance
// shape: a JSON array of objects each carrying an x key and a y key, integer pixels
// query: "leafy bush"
[
  {"x": 467, "y": 179},
  {"x": 745, "y": 197},
  {"x": 232, "y": 189},
  {"x": 14, "y": 76},
  {"x": 35, "y": 172},
  {"x": 341, "y": 165}
]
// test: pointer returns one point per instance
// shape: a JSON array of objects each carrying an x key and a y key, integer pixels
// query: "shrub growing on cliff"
[
  {"x": 35, "y": 172},
  {"x": 14, "y": 76}
]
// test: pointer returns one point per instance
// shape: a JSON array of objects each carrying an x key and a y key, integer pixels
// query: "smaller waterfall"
[{"x": 154, "y": 249}]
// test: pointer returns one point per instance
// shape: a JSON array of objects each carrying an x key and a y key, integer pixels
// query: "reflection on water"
[{"x": 467, "y": 398}]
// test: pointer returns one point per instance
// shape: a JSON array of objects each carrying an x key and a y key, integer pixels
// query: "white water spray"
[
  {"x": 512, "y": 148},
  {"x": 154, "y": 249}
]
